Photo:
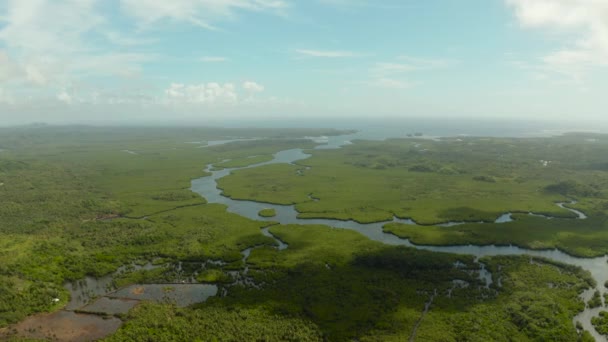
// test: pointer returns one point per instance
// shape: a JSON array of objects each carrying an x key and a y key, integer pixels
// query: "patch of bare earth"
[{"x": 138, "y": 291}]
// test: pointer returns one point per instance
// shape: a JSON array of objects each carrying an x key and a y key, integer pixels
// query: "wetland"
[{"x": 399, "y": 239}]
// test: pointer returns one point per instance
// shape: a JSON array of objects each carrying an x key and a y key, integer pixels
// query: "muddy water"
[
  {"x": 110, "y": 306},
  {"x": 182, "y": 291},
  {"x": 286, "y": 214},
  {"x": 84, "y": 290},
  {"x": 66, "y": 326},
  {"x": 94, "y": 301},
  {"x": 180, "y": 294}
]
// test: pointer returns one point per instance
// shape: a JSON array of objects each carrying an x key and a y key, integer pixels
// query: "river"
[{"x": 286, "y": 214}]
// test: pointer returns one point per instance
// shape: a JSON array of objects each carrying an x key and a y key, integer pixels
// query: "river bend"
[{"x": 286, "y": 214}]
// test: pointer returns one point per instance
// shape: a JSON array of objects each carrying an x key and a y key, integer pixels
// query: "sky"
[{"x": 113, "y": 61}]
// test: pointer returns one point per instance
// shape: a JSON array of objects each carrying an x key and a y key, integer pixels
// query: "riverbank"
[{"x": 210, "y": 188}]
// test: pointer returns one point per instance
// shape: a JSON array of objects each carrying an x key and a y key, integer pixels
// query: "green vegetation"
[
  {"x": 336, "y": 285},
  {"x": 583, "y": 238},
  {"x": 451, "y": 180},
  {"x": 601, "y": 323},
  {"x": 269, "y": 212},
  {"x": 74, "y": 203},
  {"x": 595, "y": 301},
  {"x": 573, "y": 188},
  {"x": 488, "y": 179},
  {"x": 71, "y": 199},
  {"x": 164, "y": 322},
  {"x": 213, "y": 276}
]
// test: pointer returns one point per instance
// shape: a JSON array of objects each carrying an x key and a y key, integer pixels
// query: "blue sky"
[{"x": 208, "y": 60}]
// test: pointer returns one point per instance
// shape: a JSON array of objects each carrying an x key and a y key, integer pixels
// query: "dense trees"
[
  {"x": 73, "y": 204},
  {"x": 164, "y": 322}
]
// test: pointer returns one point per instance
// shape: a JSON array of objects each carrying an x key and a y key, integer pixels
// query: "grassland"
[
  {"x": 267, "y": 212},
  {"x": 73, "y": 202},
  {"x": 465, "y": 179}
]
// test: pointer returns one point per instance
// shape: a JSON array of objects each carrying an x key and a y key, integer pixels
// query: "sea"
[{"x": 381, "y": 128}]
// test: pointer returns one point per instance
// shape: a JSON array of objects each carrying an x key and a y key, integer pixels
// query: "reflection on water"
[
  {"x": 180, "y": 294},
  {"x": 110, "y": 306},
  {"x": 84, "y": 290}
]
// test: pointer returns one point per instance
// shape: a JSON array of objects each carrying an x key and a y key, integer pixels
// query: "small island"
[{"x": 268, "y": 212}]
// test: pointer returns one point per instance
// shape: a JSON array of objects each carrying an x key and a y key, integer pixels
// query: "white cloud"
[
  {"x": 50, "y": 42},
  {"x": 64, "y": 97},
  {"x": 213, "y": 59},
  {"x": 426, "y": 63},
  {"x": 35, "y": 75},
  {"x": 253, "y": 87},
  {"x": 123, "y": 64},
  {"x": 201, "y": 13},
  {"x": 48, "y": 46},
  {"x": 585, "y": 20},
  {"x": 392, "y": 74},
  {"x": 42, "y": 25},
  {"x": 217, "y": 96},
  {"x": 362, "y": 4},
  {"x": 408, "y": 64},
  {"x": 389, "y": 83},
  {"x": 391, "y": 68},
  {"x": 121, "y": 39},
  {"x": 204, "y": 93},
  {"x": 326, "y": 53}
]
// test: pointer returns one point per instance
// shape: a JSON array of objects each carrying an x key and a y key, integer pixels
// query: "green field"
[{"x": 73, "y": 203}]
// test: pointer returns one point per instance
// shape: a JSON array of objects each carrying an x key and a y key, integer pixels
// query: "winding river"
[{"x": 286, "y": 214}]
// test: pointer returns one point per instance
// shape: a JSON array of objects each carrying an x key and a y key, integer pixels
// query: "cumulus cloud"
[
  {"x": 47, "y": 46},
  {"x": 586, "y": 20},
  {"x": 253, "y": 87},
  {"x": 217, "y": 95},
  {"x": 35, "y": 75},
  {"x": 204, "y": 93},
  {"x": 64, "y": 97}
]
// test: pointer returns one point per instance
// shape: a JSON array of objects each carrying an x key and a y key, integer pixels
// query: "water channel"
[{"x": 286, "y": 214}]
